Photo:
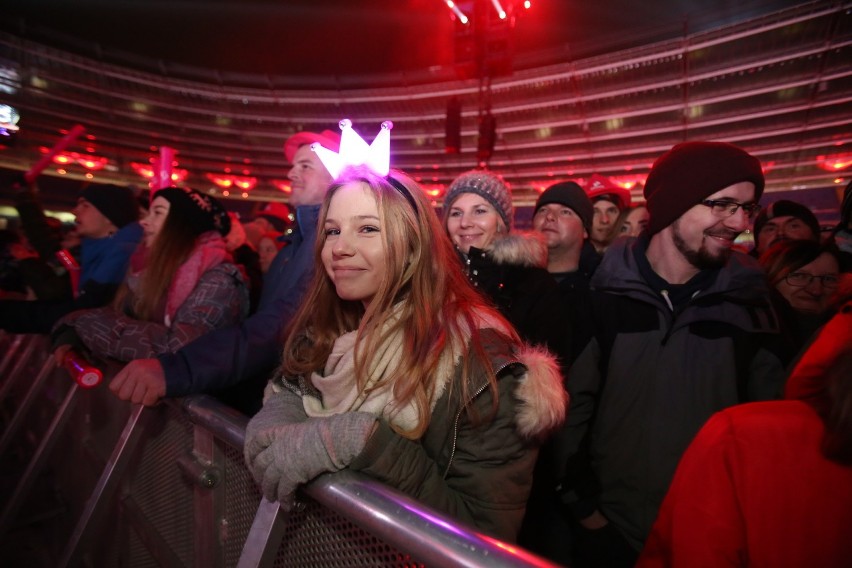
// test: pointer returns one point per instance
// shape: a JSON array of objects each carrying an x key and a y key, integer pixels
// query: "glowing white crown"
[{"x": 354, "y": 151}]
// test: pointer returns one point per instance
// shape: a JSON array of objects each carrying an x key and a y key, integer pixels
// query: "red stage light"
[
  {"x": 282, "y": 185},
  {"x": 834, "y": 163},
  {"x": 144, "y": 170},
  {"x": 220, "y": 180}
]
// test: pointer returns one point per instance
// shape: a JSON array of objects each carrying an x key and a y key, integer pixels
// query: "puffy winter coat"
[
  {"x": 650, "y": 376},
  {"x": 478, "y": 473}
]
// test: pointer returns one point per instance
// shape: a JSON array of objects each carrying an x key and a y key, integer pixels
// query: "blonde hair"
[{"x": 425, "y": 299}]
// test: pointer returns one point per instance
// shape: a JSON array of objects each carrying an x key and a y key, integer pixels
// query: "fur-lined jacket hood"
[
  {"x": 479, "y": 473},
  {"x": 541, "y": 398},
  {"x": 517, "y": 249}
]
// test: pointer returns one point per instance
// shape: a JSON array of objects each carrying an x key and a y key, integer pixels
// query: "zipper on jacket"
[
  {"x": 675, "y": 313},
  {"x": 470, "y": 399}
]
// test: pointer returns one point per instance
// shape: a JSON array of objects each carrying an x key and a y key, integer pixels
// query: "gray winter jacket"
[{"x": 649, "y": 377}]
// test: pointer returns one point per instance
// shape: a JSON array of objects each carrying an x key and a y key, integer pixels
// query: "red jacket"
[{"x": 753, "y": 489}]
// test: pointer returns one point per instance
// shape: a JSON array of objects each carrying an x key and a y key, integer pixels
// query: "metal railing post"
[
  {"x": 37, "y": 462},
  {"x": 108, "y": 481},
  {"x": 25, "y": 405}
]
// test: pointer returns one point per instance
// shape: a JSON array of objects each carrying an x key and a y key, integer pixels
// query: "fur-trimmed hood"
[
  {"x": 544, "y": 400},
  {"x": 522, "y": 249}
]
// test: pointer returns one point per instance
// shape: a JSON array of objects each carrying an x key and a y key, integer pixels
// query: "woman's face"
[
  {"x": 353, "y": 252},
  {"x": 635, "y": 221},
  {"x": 472, "y": 222},
  {"x": 813, "y": 296},
  {"x": 153, "y": 222},
  {"x": 266, "y": 250}
]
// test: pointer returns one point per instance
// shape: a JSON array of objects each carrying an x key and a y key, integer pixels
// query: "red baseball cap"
[
  {"x": 327, "y": 139},
  {"x": 599, "y": 186}
]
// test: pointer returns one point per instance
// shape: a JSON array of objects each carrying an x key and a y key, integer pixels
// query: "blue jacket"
[
  {"x": 249, "y": 352},
  {"x": 105, "y": 260}
]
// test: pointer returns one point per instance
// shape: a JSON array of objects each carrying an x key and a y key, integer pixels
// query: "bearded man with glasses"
[{"x": 682, "y": 327}]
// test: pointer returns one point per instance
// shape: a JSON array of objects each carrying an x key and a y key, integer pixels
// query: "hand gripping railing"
[
  {"x": 257, "y": 537},
  {"x": 394, "y": 518}
]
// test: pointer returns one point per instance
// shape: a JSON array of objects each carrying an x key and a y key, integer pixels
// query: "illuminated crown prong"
[{"x": 354, "y": 151}]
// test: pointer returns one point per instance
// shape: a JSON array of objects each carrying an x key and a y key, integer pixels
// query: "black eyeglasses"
[
  {"x": 802, "y": 279},
  {"x": 725, "y": 208}
]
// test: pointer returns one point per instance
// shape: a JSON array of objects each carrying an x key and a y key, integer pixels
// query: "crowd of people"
[{"x": 605, "y": 389}]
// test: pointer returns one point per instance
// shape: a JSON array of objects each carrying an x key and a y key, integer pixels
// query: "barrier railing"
[{"x": 104, "y": 483}]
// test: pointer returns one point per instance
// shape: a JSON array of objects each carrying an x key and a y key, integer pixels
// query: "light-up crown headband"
[{"x": 354, "y": 151}]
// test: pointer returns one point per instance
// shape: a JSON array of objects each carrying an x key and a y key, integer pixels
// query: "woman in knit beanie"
[
  {"x": 182, "y": 283},
  {"x": 508, "y": 268}
]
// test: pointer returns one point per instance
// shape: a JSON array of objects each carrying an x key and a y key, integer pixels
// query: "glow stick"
[
  {"x": 72, "y": 135},
  {"x": 163, "y": 171}
]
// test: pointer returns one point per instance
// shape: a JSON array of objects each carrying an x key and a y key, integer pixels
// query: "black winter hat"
[
  {"x": 202, "y": 212},
  {"x": 571, "y": 195},
  {"x": 690, "y": 172},
  {"x": 116, "y": 203}
]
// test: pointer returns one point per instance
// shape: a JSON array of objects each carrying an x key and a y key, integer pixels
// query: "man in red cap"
[
  {"x": 608, "y": 200},
  {"x": 682, "y": 328},
  {"x": 240, "y": 358}
]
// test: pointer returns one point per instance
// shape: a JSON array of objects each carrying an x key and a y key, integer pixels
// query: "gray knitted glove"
[
  {"x": 279, "y": 411},
  {"x": 303, "y": 450}
]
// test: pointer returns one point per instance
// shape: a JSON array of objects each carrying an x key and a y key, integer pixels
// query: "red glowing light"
[
  {"x": 835, "y": 163},
  {"x": 179, "y": 175},
  {"x": 144, "y": 170},
  {"x": 227, "y": 180},
  {"x": 436, "y": 190},
  {"x": 62, "y": 159},
  {"x": 221, "y": 181},
  {"x": 282, "y": 185},
  {"x": 92, "y": 162},
  {"x": 245, "y": 183}
]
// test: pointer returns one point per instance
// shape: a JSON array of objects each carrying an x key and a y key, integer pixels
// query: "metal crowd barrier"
[{"x": 88, "y": 480}]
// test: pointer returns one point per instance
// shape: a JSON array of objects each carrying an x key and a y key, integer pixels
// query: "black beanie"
[
  {"x": 784, "y": 208},
  {"x": 116, "y": 203},
  {"x": 570, "y": 195},
  {"x": 201, "y": 212},
  {"x": 690, "y": 172}
]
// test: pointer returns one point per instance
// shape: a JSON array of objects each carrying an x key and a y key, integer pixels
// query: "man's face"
[
  {"x": 560, "y": 225},
  {"x": 704, "y": 238},
  {"x": 782, "y": 228},
  {"x": 90, "y": 222},
  {"x": 309, "y": 178},
  {"x": 606, "y": 212}
]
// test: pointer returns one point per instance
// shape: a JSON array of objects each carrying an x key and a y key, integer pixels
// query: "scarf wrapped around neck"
[
  {"x": 339, "y": 389},
  {"x": 209, "y": 251}
]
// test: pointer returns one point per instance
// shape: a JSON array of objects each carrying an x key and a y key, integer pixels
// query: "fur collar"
[
  {"x": 544, "y": 401},
  {"x": 523, "y": 249}
]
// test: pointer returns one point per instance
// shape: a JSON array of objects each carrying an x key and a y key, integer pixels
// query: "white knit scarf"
[{"x": 340, "y": 391}]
